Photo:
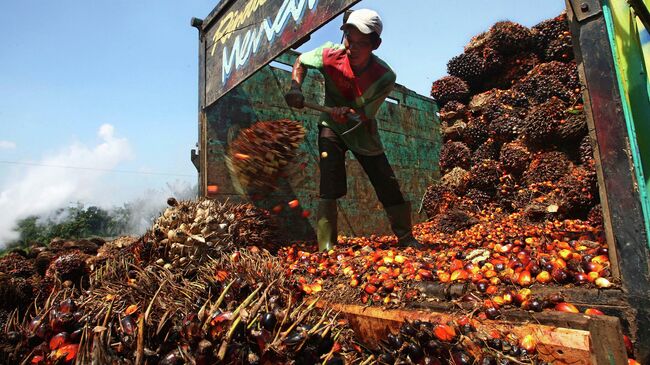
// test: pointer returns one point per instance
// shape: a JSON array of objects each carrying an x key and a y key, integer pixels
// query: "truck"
[{"x": 245, "y": 54}]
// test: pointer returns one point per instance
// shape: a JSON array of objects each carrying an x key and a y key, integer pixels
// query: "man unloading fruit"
[{"x": 356, "y": 82}]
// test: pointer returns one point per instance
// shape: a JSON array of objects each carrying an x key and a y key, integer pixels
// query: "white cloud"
[
  {"x": 7, "y": 145},
  {"x": 40, "y": 189}
]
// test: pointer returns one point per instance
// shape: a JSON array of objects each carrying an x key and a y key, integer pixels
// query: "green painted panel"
[
  {"x": 628, "y": 36},
  {"x": 409, "y": 130}
]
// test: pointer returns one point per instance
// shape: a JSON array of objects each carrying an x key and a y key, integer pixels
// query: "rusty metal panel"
[
  {"x": 409, "y": 130},
  {"x": 619, "y": 192},
  {"x": 243, "y": 36}
]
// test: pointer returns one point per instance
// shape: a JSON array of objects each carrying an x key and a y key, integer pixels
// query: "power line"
[{"x": 94, "y": 169}]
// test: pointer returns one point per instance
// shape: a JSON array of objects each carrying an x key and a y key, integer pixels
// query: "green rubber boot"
[
  {"x": 326, "y": 224},
  {"x": 399, "y": 217}
]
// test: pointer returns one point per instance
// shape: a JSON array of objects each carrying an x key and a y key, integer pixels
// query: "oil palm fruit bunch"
[
  {"x": 449, "y": 88},
  {"x": 259, "y": 153},
  {"x": 547, "y": 167},
  {"x": 543, "y": 122},
  {"x": 550, "y": 30},
  {"x": 438, "y": 199},
  {"x": 455, "y": 154},
  {"x": 514, "y": 157},
  {"x": 193, "y": 228}
]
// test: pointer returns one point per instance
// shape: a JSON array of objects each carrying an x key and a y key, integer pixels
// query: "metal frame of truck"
[{"x": 618, "y": 171}]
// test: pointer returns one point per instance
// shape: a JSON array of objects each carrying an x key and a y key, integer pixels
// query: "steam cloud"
[{"x": 40, "y": 189}]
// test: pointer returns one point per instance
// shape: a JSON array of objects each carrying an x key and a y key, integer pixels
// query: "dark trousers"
[{"x": 333, "y": 180}]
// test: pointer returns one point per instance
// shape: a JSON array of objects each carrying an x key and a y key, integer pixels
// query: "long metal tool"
[{"x": 326, "y": 109}]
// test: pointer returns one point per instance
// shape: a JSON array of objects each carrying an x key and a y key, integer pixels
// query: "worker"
[{"x": 356, "y": 82}]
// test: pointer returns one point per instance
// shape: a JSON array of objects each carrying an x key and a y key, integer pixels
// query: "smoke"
[
  {"x": 43, "y": 188},
  {"x": 143, "y": 211}
]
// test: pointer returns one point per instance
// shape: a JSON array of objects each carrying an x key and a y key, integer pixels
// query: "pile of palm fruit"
[
  {"x": 515, "y": 211},
  {"x": 514, "y": 130},
  {"x": 199, "y": 287}
]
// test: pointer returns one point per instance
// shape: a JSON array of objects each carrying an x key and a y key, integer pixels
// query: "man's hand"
[
  {"x": 295, "y": 98},
  {"x": 340, "y": 113}
]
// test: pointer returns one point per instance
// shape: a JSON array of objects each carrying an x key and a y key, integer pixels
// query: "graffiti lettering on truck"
[{"x": 243, "y": 46}]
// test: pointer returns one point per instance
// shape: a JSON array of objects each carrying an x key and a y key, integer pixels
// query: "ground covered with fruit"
[{"x": 516, "y": 211}]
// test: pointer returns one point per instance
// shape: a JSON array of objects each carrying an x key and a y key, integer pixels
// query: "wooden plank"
[
  {"x": 562, "y": 338},
  {"x": 606, "y": 337}
]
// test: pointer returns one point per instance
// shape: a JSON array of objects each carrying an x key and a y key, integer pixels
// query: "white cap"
[{"x": 366, "y": 21}]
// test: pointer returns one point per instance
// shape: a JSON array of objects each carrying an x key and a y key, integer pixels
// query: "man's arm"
[{"x": 294, "y": 97}]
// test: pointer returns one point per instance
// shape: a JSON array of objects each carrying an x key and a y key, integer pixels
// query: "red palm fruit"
[
  {"x": 492, "y": 289},
  {"x": 294, "y": 204},
  {"x": 632, "y": 362},
  {"x": 559, "y": 263},
  {"x": 456, "y": 265},
  {"x": 559, "y": 275},
  {"x": 580, "y": 278},
  {"x": 389, "y": 284},
  {"x": 592, "y": 276},
  {"x": 523, "y": 257},
  {"x": 490, "y": 274},
  {"x": 528, "y": 343},
  {"x": 444, "y": 332},
  {"x": 498, "y": 300},
  {"x": 354, "y": 282},
  {"x": 507, "y": 298},
  {"x": 521, "y": 296},
  {"x": 67, "y": 352},
  {"x": 370, "y": 289},
  {"x": 476, "y": 277},
  {"x": 59, "y": 340},
  {"x": 305, "y": 213},
  {"x": 426, "y": 274},
  {"x": 566, "y": 307},
  {"x": 443, "y": 276},
  {"x": 277, "y": 209},
  {"x": 37, "y": 360},
  {"x": 524, "y": 278},
  {"x": 594, "y": 312},
  {"x": 565, "y": 254},
  {"x": 601, "y": 259},
  {"x": 543, "y": 277},
  {"x": 67, "y": 306},
  {"x": 459, "y": 275},
  {"x": 492, "y": 313}
]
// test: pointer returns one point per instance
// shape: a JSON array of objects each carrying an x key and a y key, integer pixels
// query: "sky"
[{"x": 108, "y": 89}]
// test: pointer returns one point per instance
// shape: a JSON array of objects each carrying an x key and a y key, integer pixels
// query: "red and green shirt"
[{"x": 364, "y": 93}]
